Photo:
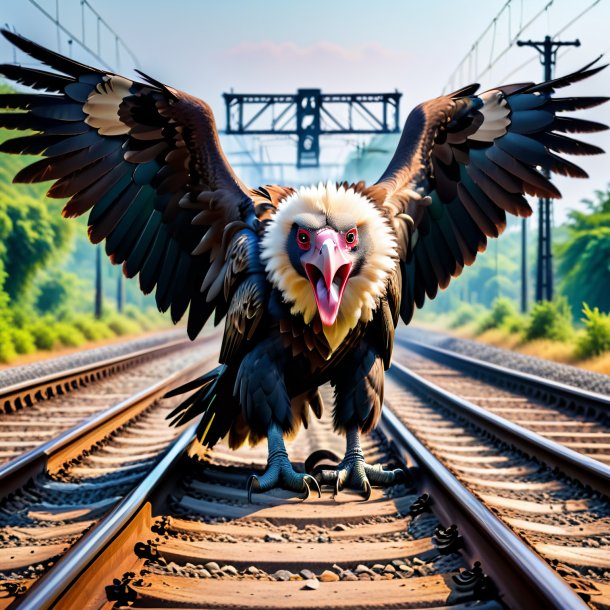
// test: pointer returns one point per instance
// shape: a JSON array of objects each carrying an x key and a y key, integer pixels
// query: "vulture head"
[{"x": 329, "y": 251}]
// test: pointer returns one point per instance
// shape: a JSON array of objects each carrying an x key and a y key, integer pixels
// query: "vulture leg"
[
  {"x": 279, "y": 472},
  {"x": 355, "y": 472}
]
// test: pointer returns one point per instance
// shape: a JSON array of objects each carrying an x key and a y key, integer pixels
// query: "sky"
[{"x": 272, "y": 46}]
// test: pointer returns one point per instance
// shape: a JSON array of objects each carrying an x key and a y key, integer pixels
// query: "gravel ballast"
[{"x": 563, "y": 373}]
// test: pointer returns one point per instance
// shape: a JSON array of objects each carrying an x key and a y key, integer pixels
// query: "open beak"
[{"x": 328, "y": 268}]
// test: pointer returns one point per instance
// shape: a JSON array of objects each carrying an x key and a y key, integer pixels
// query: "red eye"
[
  {"x": 303, "y": 239},
  {"x": 351, "y": 237}
]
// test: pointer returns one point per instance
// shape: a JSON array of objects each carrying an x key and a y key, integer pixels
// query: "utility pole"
[
  {"x": 98, "y": 282},
  {"x": 544, "y": 264},
  {"x": 120, "y": 292}
]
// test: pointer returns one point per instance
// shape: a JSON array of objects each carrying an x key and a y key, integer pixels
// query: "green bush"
[
  {"x": 465, "y": 314},
  {"x": 7, "y": 348},
  {"x": 43, "y": 333},
  {"x": 121, "y": 325},
  {"x": 69, "y": 335},
  {"x": 502, "y": 309},
  {"x": 596, "y": 339},
  {"x": 23, "y": 341},
  {"x": 145, "y": 321},
  {"x": 92, "y": 329},
  {"x": 515, "y": 324},
  {"x": 550, "y": 320}
]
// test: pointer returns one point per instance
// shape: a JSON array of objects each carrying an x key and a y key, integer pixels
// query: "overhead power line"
[
  {"x": 502, "y": 22},
  {"x": 101, "y": 26}
]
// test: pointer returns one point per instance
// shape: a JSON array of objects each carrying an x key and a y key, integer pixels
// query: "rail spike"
[
  {"x": 447, "y": 540},
  {"x": 473, "y": 584},
  {"x": 120, "y": 590},
  {"x": 421, "y": 505}
]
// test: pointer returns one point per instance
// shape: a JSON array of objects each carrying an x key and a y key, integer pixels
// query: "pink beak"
[{"x": 328, "y": 268}]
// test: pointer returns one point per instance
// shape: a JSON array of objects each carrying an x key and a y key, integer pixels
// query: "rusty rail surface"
[
  {"x": 524, "y": 580},
  {"x": 566, "y": 394},
  {"x": 25, "y": 393}
]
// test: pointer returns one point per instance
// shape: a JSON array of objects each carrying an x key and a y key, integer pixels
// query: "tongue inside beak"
[
  {"x": 328, "y": 291},
  {"x": 328, "y": 268}
]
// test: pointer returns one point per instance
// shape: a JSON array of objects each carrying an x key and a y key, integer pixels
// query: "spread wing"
[
  {"x": 463, "y": 162},
  {"x": 145, "y": 161}
]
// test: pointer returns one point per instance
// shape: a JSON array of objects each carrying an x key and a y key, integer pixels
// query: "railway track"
[
  {"x": 553, "y": 496},
  {"x": 571, "y": 417},
  {"x": 56, "y": 490},
  {"x": 36, "y": 410},
  {"x": 142, "y": 517},
  {"x": 187, "y": 537}
]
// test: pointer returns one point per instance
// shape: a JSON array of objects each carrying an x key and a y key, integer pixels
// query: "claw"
[
  {"x": 315, "y": 484},
  {"x": 252, "y": 485},
  {"x": 367, "y": 490}
]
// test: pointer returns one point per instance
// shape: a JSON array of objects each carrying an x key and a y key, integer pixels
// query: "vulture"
[{"x": 310, "y": 281}]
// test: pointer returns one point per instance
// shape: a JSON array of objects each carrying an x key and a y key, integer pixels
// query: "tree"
[{"x": 584, "y": 258}]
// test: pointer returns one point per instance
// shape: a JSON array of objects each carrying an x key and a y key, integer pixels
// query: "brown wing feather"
[
  {"x": 146, "y": 161},
  {"x": 463, "y": 162}
]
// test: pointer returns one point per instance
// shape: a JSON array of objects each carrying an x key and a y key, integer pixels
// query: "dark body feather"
[{"x": 145, "y": 161}]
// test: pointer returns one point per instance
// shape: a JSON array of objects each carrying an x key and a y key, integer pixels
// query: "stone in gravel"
[
  {"x": 364, "y": 576},
  {"x": 204, "y": 573},
  {"x": 274, "y": 538},
  {"x": 328, "y": 576},
  {"x": 340, "y": 527},
  {"x": 212, "y": 566},
  {"x": 230, "y": 570},
  {"x": 348, "y": 575},
  {"x": 307, "y": 574},
  {"x": 389, "y": 568},
  {"x": 398, "y": 562},
  {"x": 337, "y": 568},
  {"x": 252, "y": 570},
  {"x": 311, "y": 585},
  {"x": 362, "y": 569},
  {"x": 283, "y": 575},
  {"x": 323, "y": 539},
  {"x": 378, "y": 567}
]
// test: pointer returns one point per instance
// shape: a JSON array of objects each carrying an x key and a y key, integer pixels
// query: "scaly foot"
[
  {"x": 279, "y": 472},
  {"x": 354, "y": 472}
]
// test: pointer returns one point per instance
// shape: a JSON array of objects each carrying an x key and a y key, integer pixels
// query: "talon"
[
  {"x": 342, "y": 476},
  {"x": 314, "y": 482},
  {"x": 314, "y": 461},
  {"x": 367, "y": 490},
  {"x": 252, "y": 485}
]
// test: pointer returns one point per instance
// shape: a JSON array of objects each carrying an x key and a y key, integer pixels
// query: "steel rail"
[
  {"x": 25, "y": 393},
  {"x": 567, "y": 393},
  {"x": 523, "y": 578},
  {"x": 71, "y": 442},
  {"x": 576, "y": 465},
  {"x": 48, "y": 590},
  {"x": 532, "y": 583}
]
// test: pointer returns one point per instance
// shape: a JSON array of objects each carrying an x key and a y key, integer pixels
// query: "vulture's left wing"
[
  {"x": 463, "y": 161},
  {"x": 145, "y": 160}
]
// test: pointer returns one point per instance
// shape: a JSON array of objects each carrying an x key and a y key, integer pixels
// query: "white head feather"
[{"x": 362, "y": 292}]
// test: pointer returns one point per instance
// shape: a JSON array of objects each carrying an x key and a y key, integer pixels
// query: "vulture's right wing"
[
  {"x": 463, "y": 161},
  {"x": 145, "y": 161}
]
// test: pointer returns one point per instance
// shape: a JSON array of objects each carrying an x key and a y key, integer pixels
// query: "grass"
[{"x": 547, "y": 332}]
